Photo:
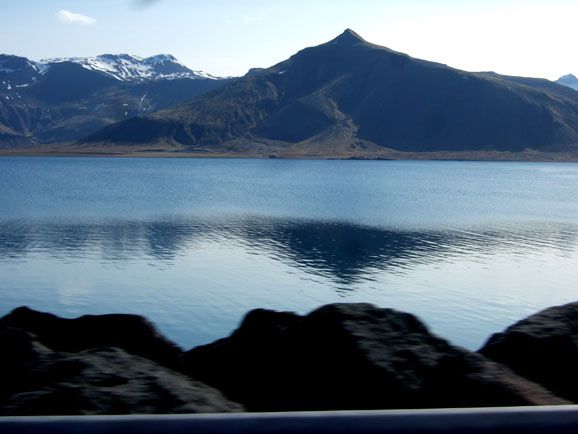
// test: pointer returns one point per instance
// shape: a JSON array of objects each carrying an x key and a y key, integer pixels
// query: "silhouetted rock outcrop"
[
  {"x": 108, "y": 381},
  {"x": 352, "y": 356},
  {"x": 543, "y": 348},
  {"x": 19, "y": 351},
  {"x": 132, "y": 333},
  {"x": 78, "y": 379},
  {"x": 340, "y": 356}
]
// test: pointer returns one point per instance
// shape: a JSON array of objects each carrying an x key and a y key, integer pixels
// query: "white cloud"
[{"x": 68, "y": 17}]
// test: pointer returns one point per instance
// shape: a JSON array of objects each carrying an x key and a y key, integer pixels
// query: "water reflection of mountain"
[
  {"x": 348, "y": 252},
  {"x": 344, "y": 251}
]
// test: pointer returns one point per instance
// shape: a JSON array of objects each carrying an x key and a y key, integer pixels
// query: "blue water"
[{"x": 194, "y": 244}]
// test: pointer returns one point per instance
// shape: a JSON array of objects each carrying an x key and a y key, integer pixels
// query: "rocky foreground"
[{"x": 340, "y": 356}]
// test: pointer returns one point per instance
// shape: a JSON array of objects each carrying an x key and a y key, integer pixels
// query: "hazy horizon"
[{"x": 225, "y": 38}]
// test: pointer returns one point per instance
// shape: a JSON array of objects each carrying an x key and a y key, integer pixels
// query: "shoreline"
[{"x": 524, "y": 157}]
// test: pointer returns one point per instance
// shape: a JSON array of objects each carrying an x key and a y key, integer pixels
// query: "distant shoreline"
[{"x": 535, "y": 157}]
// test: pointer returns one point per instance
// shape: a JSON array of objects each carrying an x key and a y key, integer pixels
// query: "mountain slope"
[
  {"x": 350, "y": 94},
  {"x": 62, "y": 101}
]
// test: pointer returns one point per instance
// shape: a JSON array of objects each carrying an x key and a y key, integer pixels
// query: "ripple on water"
[{"x": 469, "y": 247}]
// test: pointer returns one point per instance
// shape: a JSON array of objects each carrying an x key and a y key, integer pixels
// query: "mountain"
[
  {"x": 63, "y": 100},
  {"x": 351, "y": 97},
  {"x": 17, "y": 71},
  {"x": 568, "y": 80},
  {"x": 125, "y": 67}
]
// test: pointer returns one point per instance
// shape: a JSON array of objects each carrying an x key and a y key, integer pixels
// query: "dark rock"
[
  {"x": 352, "y": 356},
  {"x": 20, "y": 350},
  {"x": 132, "y": 333},
  {"x": 108, "y": 381},
  {"x": 543, "y": 348},
  {"x": 51, "y": 366}
]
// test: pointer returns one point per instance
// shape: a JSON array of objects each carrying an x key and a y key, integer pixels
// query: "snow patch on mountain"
[
  {"x": 126, "y": 67},
  {"x": 16, "y": 71}
]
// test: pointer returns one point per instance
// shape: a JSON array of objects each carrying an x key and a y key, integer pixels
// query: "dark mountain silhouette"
[{"x": 349, "y": 96}]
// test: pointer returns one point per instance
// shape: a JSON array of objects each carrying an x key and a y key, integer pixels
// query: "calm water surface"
[{"x": 194, "y": 244}]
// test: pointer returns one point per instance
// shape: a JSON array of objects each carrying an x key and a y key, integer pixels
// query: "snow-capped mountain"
[
  {"x": 20, "y": 71},
  {"x": 568, "y": 80},
  {"x": 125, "y": 67},
  {"x": 62, "y": 100}
]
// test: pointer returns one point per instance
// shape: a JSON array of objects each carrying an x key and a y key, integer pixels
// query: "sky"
[{"x": 535, "y": 38}]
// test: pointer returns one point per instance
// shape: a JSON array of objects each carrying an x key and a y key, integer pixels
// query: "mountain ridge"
[
  {"x": 123, "y": 67},
  {"x": 353, "y": 96},
  {"x": 127, "y": 67},
  {"x": 63, "y": 100}
]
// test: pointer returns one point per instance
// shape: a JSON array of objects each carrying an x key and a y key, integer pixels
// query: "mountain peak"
[
  {"x": 568, "y": 77},
  {"x": 568, "y": 80},
  {"x": 160, "y": 58},
  {"x": 123, "y": 56},
  {"x": 348, "y": 37}
]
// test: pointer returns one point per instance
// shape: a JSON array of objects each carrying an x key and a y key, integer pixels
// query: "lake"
[{"x": 193, "y": 244}]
